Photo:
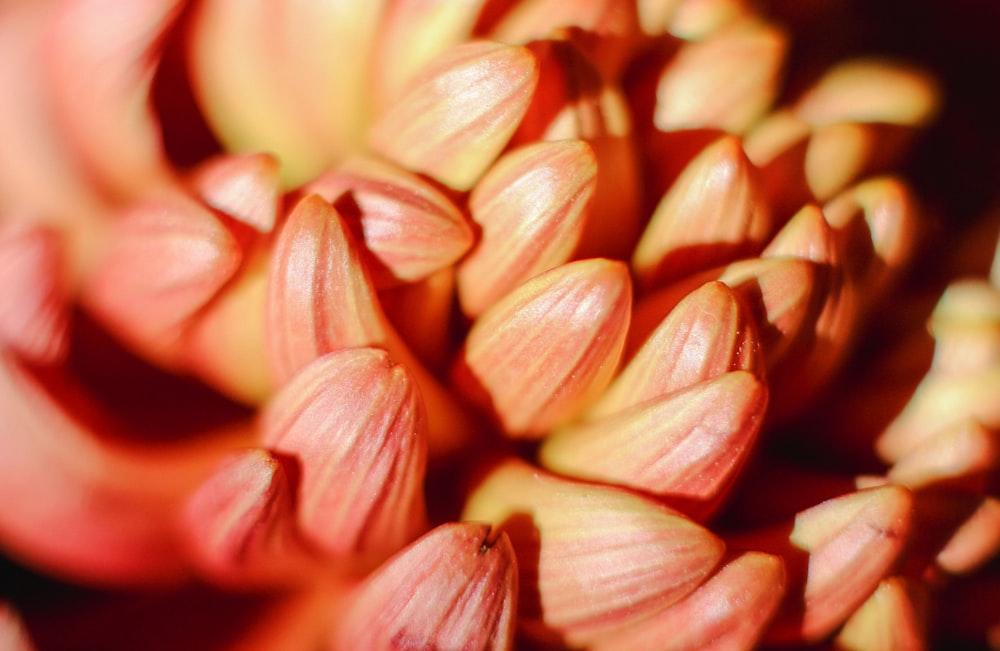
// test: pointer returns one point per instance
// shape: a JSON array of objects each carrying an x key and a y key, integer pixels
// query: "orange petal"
[
  {"x": 459, "y": 113},
  {"x": 531, "y": 207},
  {"x": 726, "y": 81},
  {"x": 592, "y": 559},
  {"x": 319, "y": 297},
  {"x": 780, "y": 293},
  {"x": 165, "y": 259},
  {"x": 410, "y": 34},
  {"x": 101, "y": 73},
  {"x": 409, "y": 228},
  {"x": 94, "y": 515},
  {"x": 245, "y": 187},
  {"x": 574, "y": 100},
  {"x": 713, "y": 214},
  {"x": 354, "y": 423},
  {"x": 893, "y": 617},
  {"x": 708, "y": 333},
  {"x": 545, "y": 351},
  {"x": 837, "y": 553},
  {"x": 239, "y": 523},
  {"x": 455, "y": 588},
  {"x": 731, "y": 610},
  {"x": 877, "y": 223},
  {"x": 686, "y": 446},
  {"x": 975, "y": 542},
  {"x": 870, "y": 90},
  {"x": 34, "y": 302}
]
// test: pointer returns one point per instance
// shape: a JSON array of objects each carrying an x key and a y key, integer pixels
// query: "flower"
[{"x": 424, "y": 324}]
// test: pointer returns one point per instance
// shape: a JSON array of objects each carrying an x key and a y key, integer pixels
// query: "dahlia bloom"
[{"x": 415, "y": 324}]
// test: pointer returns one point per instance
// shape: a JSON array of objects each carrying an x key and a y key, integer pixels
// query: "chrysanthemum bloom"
[{"x": 415, "y": 324}]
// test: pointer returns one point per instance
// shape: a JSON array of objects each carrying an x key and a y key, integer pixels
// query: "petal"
[
  {"x": 455, "y": 588},
  {"x": 548, "y": 348},
  {"x": 408, "y": 227},
  {"x": 34, "y": 303},
  {"x": 686, "y": 446},
  {"x": 713, "y": 214},
  {"x": 354, "y": 422},
  {"x": 708, "y": 333},
  {"x": 531, "y": 207},
  {"x": 592, "y": 559},
  {"x": 459, "y": 113}
]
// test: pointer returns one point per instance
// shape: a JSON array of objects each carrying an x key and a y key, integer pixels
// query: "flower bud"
[
  {"x": 239, "y": 523},
  {"x": 893, "y": 617},
  {"x": 779, "y": 292},
  {"x": 319, "y": 297},
  {"x": 850, "y": 544},
  {"x": 870, "y": 90}
]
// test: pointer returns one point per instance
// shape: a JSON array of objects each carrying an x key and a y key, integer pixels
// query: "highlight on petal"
[
  {"x": 708, "y": 333},
  {"x": 939, "y": 403},
  {"x": 319, "y": 297},
  {"x": 245, "y": 187},
  {"x": 547, "y": 350},
  {"x": 726, "y": 81},
  {"x": 713, "y": 214},
  {"x": 531, "y": 208},
  {"x": 731, "y": 610},
  {"x": 34, "y": 301},
  {"x": 165, "y": 259},
  {"x": 408, "y": 227},
  {"x": 870, "y": 90},
  {"x": 686, "y": 446},
  {"x": 532, "y": 20},
  {"x": 459, "y": 113},
  {"x": 851, "y": 543},
  {"x": 355, "y": 425},
  {"x": 592, "y": 559},
  {"x": 689, "y": 19},
  {"x": 239, "y": 523},
  {"x": 454, "y": 588},
  {"x": 697, "y": 19}
]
